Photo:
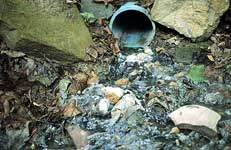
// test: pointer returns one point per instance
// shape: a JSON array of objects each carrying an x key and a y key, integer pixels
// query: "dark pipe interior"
[
  {"x": 133, "y": 20},
  {"x": 133, "y": 27}
]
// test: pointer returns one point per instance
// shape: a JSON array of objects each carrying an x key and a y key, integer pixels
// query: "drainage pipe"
[{"x": 133, "y": 26}]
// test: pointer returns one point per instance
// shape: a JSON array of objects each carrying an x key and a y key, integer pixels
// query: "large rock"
[
  {"x": 196, "y": 19},
  {"x": 49, "y": 28}
]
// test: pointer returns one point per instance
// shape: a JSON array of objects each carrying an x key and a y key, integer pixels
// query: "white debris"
[
  {"x": 127, "y": 101},
  {"x": 139, "y": 58},
  {"x": 196, "y": 117},
  {"x": 148, "y": 50},
  {"x": 103, "y": 106}
]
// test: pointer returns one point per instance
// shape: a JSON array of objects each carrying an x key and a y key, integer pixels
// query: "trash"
[
  {"x": 78, "y": 135},
  {"x": 213, "y": 98},
  {"x": 126, "y": 26},
  {"x": 196, "y": 117}
]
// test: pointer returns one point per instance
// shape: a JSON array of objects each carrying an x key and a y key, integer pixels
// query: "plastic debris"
[{"x": 196, "y": 117}]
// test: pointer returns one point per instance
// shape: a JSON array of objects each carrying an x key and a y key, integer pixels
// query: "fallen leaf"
[
  {"x": 147, "y": 3},
  {"x": 105, "y": 1},
  {"x": 122, "y": 82},
  {"x": 71, "y": 110},
  {"x": 172, "y": 83},
  {"x": 175, "y": 130},
  {"x": 116, "y": 48},
  {"x": 6, "y": 106},
  {"x": 160, "y": 49},
  {"x": 210, "y": 57},
  {"x": 108, "y": 30},
  {"x": 93, "y": 78},
  {"x": 113, "y": 94}
]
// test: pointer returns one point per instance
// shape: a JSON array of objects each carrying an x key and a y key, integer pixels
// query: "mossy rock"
[
  {"x": 185, "y": 52},
  {"x": 47, "y": 28}
]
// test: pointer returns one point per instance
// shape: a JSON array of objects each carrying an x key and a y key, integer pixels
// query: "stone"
[
  {"x": 45, "y": 28},
  {"x": 195, "y": 19},
  {"x": 185, "y": 52},
  {"x": 103, "y": 106},
  {"x": 78, "y": 135},
  {"x": 127, "y": 101},
  {"x": 113, "y": 94},
  {"x": 196, "y": 117}
]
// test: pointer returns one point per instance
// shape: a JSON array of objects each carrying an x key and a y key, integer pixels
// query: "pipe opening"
[{"x": 133, "y": 28}]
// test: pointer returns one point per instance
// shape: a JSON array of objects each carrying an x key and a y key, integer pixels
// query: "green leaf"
[
  {"x": 196, "y": 73},
  {"x": 229, "y": 69}
]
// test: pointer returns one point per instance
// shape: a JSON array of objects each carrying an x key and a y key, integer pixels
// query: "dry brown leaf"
[
  {"x": 107, "y": 30},
  {"x": 210, "y": 57},
  {"x": 6, "y": 106},
  {"x": 116, "y": 48},
  {"x": 175, "y": 130},
  {"x": 105, "y": 1},
  {"x": 112, "y": 97},
  {"x": 71, "y": 110},
  {"x": 93, "y": 78},
  {"x": 172, "y": 83},
  {"x": 160, "y": 49},
  {"x": 122, "y": 82},
  {"x": 147, "y": 3}
]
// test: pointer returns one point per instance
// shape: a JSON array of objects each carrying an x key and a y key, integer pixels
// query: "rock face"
[
  {"x": 196, "y": 19},
  {"x": 41, "y": 28}
]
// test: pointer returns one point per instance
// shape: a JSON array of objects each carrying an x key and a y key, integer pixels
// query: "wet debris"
[{"x": 196, "y": 117}]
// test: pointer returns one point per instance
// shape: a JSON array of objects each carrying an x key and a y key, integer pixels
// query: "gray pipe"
[{"x": 133, "y": 26}]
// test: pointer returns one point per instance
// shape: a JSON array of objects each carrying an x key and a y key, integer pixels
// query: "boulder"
[
  {"x": 195, "y": 19},
  {"x": 47, "y": 28}
]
